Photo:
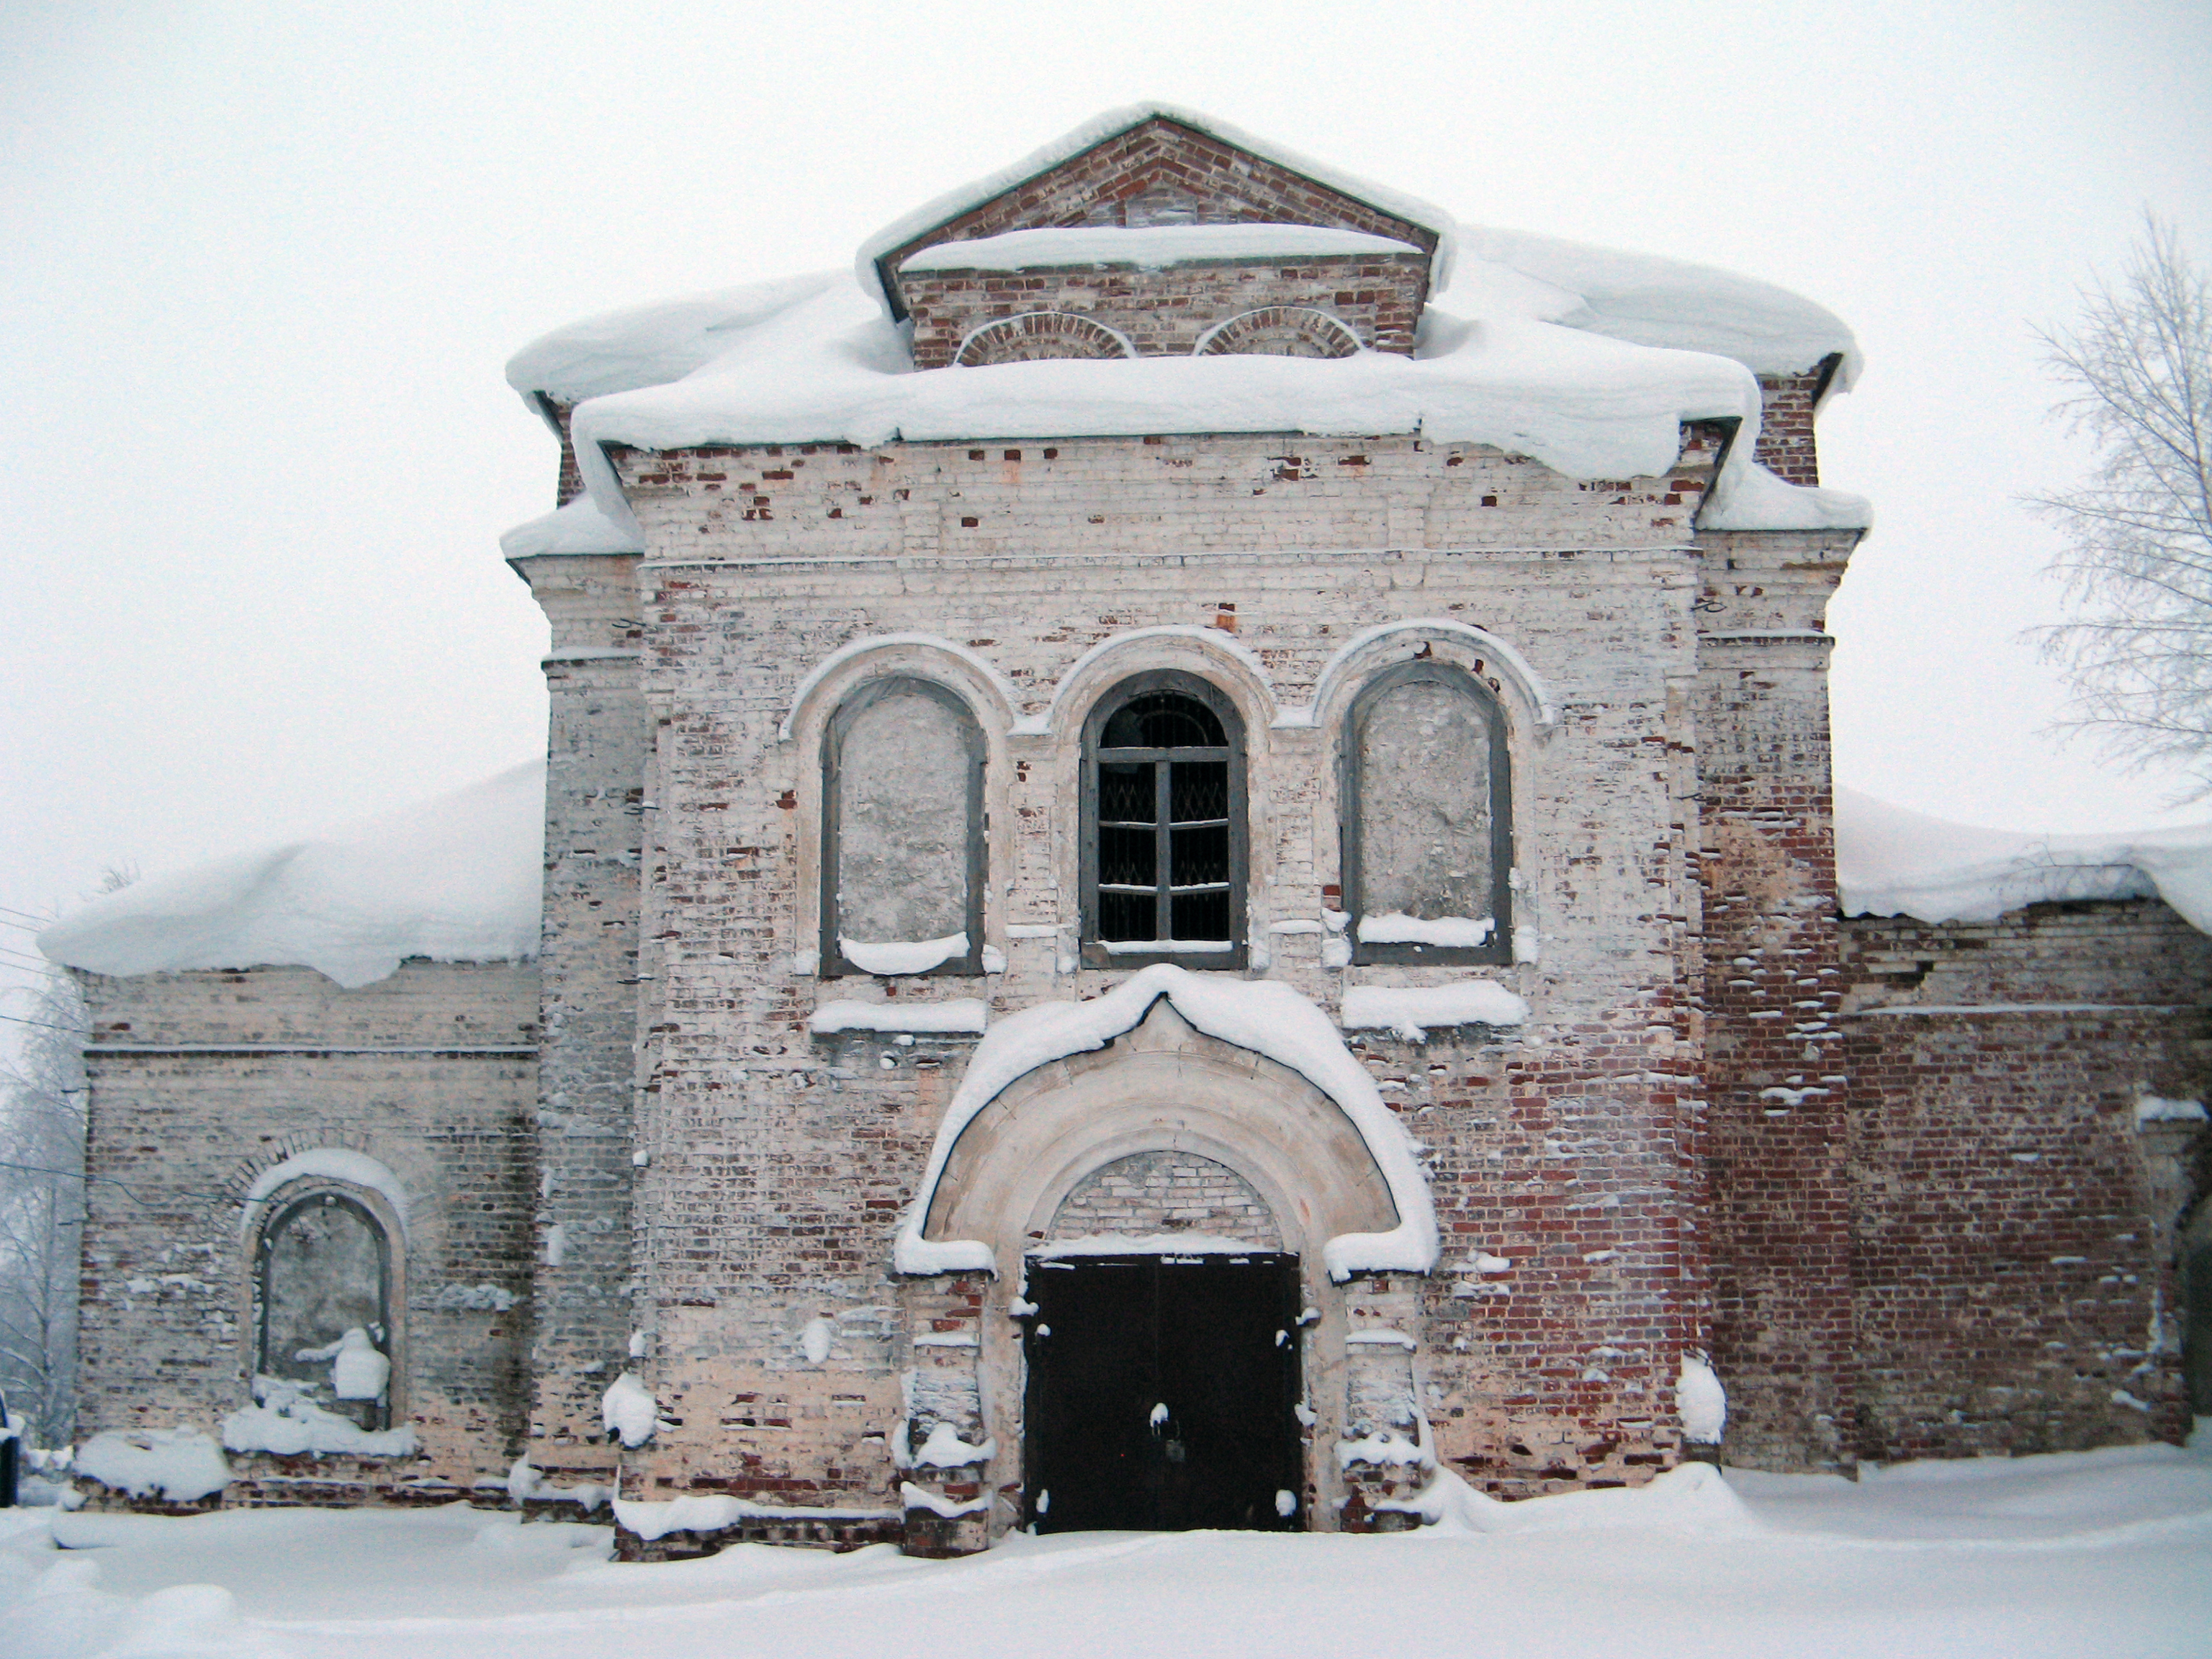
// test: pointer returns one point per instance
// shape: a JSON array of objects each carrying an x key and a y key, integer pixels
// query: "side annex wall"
[{"x": 200, "y": 1082}]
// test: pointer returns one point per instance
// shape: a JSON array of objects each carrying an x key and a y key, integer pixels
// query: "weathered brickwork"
[
  {"x": 2014, "y": 1227},
  {"x": 1560, "y": 1150},
  {"x": 201, "y": 1082},
  {"x": 1788, "y": 406},
  {"x": 1163, "y": 313},
  {"x": 1148, "y": 1194},
  {"x": 1890, "y": 1177},
  {"x": 588, "y": 1074},
  {"x": 1162, "y": 172}
]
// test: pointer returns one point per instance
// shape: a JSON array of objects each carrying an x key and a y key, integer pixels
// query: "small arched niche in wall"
[
  {"x": 902, "y": 833},
  {"x": 1037, "y": 335},
  {"x": 1427, "y": 819},
  {"x": 1279, "y": 332},
  {"x": 323, "y": 1315}
]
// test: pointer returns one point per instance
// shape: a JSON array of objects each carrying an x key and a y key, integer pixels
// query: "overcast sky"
[{"x": 263, "y": 266}]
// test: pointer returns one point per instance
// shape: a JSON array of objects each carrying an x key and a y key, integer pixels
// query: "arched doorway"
[{"x": 1164, "y": 1342}]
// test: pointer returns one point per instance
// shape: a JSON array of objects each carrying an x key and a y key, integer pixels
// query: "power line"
[
  {"x": 17, "y": 1019},
  {"x": 110, "y": 1181}
]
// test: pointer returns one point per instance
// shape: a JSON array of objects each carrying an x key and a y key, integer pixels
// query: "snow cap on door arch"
[{"x": 1266, "y": 1018}]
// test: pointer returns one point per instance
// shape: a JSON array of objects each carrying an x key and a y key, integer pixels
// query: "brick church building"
[{"x": 1188, "y": 879}]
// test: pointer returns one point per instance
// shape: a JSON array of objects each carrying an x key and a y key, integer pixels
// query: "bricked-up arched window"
[
  {"x": 1164, "y": 830},
  {"x": 322, "y": 1306},
  {"x": 1427, "y": 819},
  {"x": 902, "y": 841}
]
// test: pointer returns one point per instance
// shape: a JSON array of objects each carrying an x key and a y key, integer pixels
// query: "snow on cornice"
[
  {"x": 651, "y": 345},
  {"x": 457, "y": 879},
  {"x": 1891, "y": 861},
  {"x": 1647, "y": 299},
  {"x": 1150, "y": 248},
  {"x": 832, "y": 369},
  {"x": 1264, "y": 1016},
  {"x": 577, "y": 528},
  {"x": 867, "y": 264}
]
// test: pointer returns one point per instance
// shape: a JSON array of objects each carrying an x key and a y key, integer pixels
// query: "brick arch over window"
[
  {"x": 1279, "y": 332},
  {"x": 1041, "y": 334}
]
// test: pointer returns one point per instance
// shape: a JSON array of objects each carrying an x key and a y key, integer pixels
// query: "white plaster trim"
[
  {"x": 882, "y": 642},
  {"x": 1264, "y": 1017},
  {"x": 1518, "y": 673},
  {"x": 1215, "y": 639},
  {"x": 339, "y": 1163}
]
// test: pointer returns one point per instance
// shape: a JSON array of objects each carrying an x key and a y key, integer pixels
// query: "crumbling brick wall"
[
  {"x": 2014, "y": 1237},
  {"x": 199, "y": 1082}
]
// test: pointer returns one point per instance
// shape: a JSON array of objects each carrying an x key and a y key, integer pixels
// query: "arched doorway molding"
[{"x": 1303, "y": 1121}]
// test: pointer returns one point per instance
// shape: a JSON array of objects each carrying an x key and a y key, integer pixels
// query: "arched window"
[
  {"x": 1164, "y": 834},
  {"x": 324, "y": 1313},
  {"x": 1427, "y": 819},
  {"x": 902, "y": 833}
]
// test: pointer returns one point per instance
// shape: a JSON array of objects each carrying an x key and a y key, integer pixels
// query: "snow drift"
[
  {"x": 456, "y": 879},
  {"x": 1893, "y": 862}
]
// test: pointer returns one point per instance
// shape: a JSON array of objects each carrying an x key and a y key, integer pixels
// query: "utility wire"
[
  {"x": 110, "y": 1181},
  {"x": 17, "y": 1019}
]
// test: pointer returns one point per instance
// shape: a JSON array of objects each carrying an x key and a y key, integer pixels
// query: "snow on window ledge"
[
  {"x": 890, "y": 956},
  {"x": 961, "y": 1016},
  {"x": 1410, "y": 1012}
]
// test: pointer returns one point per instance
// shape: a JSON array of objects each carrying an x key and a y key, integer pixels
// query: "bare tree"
[
  {"x": 42, "y": 1101},
  {"x": 2136, "y": 374}
]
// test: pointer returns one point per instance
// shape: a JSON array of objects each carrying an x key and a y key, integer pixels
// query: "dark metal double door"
[{"x": 1163, "y": 1394}]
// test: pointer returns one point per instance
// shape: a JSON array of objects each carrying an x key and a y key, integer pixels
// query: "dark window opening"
[{"x": 1163, "y": 822}]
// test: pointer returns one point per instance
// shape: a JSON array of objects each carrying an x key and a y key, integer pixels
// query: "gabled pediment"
[{"x": 1146, "y": 166}]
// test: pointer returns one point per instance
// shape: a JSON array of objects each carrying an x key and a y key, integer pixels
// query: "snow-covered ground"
[{"x": 2105, "y": 1553}]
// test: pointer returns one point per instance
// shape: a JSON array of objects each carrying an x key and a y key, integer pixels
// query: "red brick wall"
[
  {"x": 1788, "y": 403},
  {"x": 1229, "y": 186},
  {"x": 1776, "y": 1084},
  {"x": 1162, "y": 313},
  {"x": 2013, "y": 1249}
]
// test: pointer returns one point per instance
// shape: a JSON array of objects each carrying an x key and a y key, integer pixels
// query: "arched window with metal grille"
[{"x": 1164, "y": 840}]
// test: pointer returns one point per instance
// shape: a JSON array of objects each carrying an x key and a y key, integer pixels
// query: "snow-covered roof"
[
  {"x": 1892, "y": 862},
  {"x": 1148, "y": 247},
  {"x": 578, "y": 527},
  {"x": 1586, "y": 359},
  {"x": 1649, "y": 300},
  {"x": 651, "y": 345},
  {"x": 457, "y": 879},
  {"x": 1096, "y": 131}
]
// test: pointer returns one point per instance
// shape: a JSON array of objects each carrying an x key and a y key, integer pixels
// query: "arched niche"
[
  {"x": 1279, "y": 332},
  {"x": 327, "y": 1262},
  {"x": 1037, "y": 335}
]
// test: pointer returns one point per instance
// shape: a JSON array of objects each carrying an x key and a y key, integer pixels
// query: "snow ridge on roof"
[
  {"x": 1148, "y": 247},
  {"x": 1648, "y": 299},
  {"x": 1099, "y": 129},
  {"x": 455, "y": 878},
  {"x": 1891, "y": 861},
  {"x": 651, "y": 345}
]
